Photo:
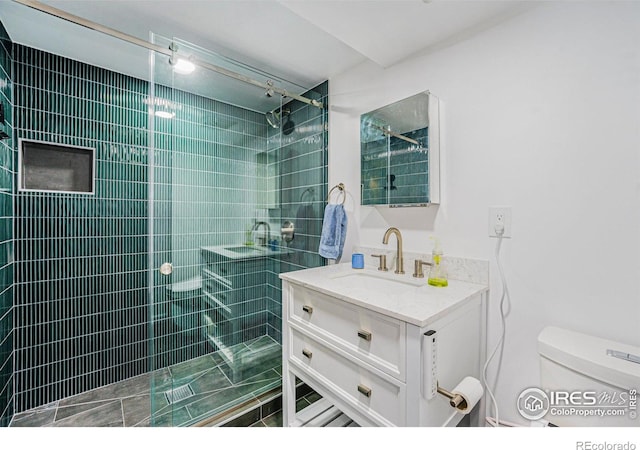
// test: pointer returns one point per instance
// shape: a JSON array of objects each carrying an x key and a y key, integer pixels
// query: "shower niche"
[
  {"x": 400, "y": 153},
  {"x": 49, "y": 167}
]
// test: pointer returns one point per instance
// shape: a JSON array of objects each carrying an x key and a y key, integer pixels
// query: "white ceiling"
[{"x": 304, "y": 41}]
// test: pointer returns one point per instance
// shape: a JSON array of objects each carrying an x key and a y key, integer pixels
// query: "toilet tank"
[{"x": 585, "y": 385}]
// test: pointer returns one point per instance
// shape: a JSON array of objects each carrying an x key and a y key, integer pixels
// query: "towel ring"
[{"x": 342, "y": 190}]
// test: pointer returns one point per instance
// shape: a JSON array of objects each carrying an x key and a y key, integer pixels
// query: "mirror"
[{"x": 400, "y": 153}]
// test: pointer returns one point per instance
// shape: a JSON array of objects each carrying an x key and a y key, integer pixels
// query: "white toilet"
[{"x": 579, "y": 364}]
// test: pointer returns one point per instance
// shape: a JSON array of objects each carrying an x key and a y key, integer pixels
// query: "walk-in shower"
[
  {"x": 220, "y": 307},
  {"x": 155, "y": 301}
]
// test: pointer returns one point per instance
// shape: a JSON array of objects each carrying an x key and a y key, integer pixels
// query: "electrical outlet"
[{"x": 500, "y": 216}]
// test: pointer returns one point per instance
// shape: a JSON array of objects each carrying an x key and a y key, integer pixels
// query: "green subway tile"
[
  {"x": 82, "y": 261},
  {"x": 6, "y": 233}
]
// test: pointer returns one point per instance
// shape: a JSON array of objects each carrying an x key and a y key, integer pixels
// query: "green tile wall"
[
  {"x": 81, "y": 304},
  {"x": 6, "y": 233},
  {"x": 205, "y": 196},
  {"x": 81, "y": 260},
  {"x": 218, "y": 186},
  {"x": 301, "y": 158}
]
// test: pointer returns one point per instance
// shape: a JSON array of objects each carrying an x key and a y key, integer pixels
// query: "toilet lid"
[{"x": 588, "y": 355}]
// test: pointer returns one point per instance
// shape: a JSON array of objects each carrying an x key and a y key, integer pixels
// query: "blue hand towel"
[{"x": 334, "y": 232}]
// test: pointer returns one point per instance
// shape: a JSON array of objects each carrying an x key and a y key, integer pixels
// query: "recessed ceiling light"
[{"x": 183, "y": 66}]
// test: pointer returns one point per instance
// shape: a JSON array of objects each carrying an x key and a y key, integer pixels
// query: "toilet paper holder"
[
  {"x": 464, "y": 396},
  {"x": 455, "y": 400}
]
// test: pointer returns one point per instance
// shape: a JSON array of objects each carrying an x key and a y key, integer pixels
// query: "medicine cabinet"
[{"x": 400, "y": 153}]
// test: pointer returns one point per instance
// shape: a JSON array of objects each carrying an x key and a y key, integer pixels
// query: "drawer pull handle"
[
  {"x": 307, "y": 309},
  {"x": 366, "y": 335},
  {"x": 307, "y": 353},
  {"x": 364, "y": 390}
]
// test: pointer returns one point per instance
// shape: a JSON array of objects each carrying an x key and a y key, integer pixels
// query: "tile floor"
[
  {"x": 128, "y": 403},
  {"x": 275, "y": 419}
]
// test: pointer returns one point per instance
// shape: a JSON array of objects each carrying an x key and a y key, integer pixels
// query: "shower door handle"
[{"x": 166, "y": 268}]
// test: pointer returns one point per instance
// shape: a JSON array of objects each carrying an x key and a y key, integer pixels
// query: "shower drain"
[{"x": 178, "y": 394}]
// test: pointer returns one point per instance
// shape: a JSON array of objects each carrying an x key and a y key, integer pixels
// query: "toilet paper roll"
[{"x": 471, "y": 391}]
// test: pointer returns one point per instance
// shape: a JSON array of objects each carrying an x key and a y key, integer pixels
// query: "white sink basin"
[{"x": 377, "y": 283}]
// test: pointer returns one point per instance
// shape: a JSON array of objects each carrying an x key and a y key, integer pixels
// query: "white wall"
[{"x": 540, "y": 113}]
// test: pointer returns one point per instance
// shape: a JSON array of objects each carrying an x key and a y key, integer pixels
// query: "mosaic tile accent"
[{"x": 7, "y": 180}]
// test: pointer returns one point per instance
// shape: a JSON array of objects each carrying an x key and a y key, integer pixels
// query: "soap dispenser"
[{"x": 438, "y": 273}]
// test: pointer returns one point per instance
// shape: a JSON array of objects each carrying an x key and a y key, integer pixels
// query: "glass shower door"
[{"x": 223, "y": 179}]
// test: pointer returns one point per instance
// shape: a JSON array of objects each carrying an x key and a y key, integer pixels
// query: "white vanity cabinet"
[{"x": 364, "y": 350}]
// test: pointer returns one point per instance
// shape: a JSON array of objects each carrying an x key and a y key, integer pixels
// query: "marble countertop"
[
  {"x": 400, "y": 296},
  {"x": 245, "y": 251}
]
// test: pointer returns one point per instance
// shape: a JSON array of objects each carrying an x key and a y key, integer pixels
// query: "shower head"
[{"x": 274, "y": 118}]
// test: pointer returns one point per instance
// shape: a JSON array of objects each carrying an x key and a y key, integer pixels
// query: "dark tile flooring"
[
  {"x": 129, "y": 403},
  {"x": 275, "y": 419}
]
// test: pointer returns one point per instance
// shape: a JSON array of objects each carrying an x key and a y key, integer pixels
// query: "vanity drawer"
[
  {"x": 362, "y": 388},
  {"x": 376, "y": 339}
]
